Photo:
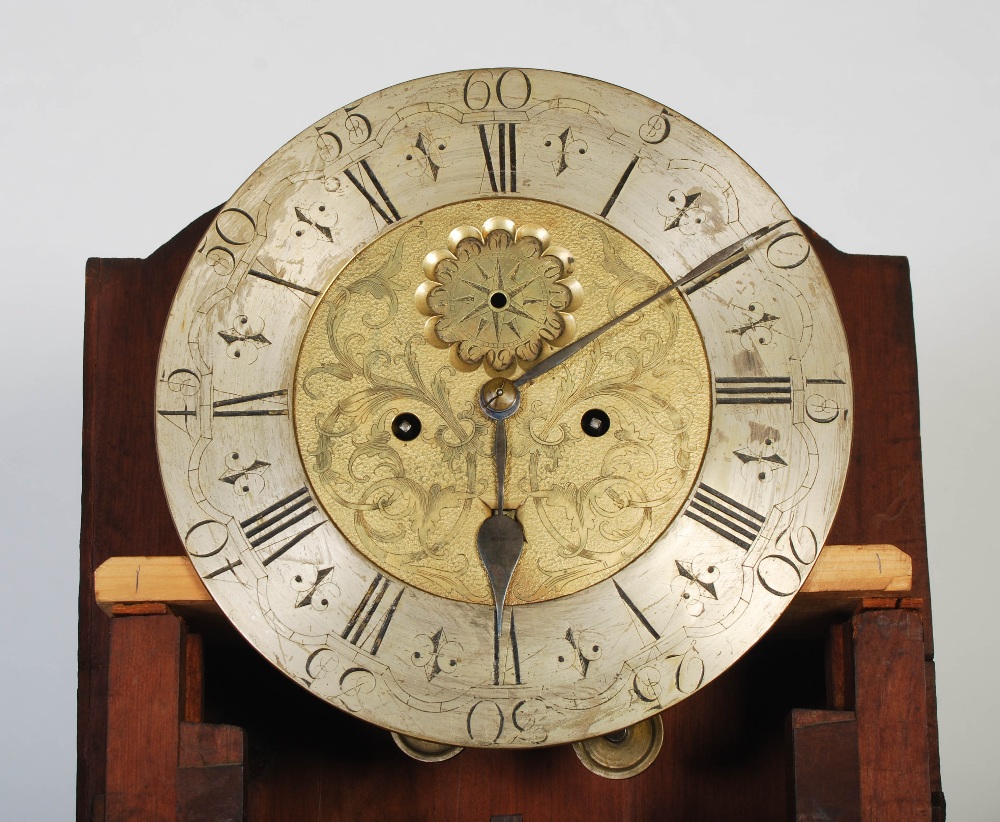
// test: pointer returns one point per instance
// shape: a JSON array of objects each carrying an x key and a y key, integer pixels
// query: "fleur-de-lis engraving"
[
  {"x": 244, "y": 338},
  {"x": 585, "y": 647},
  {"x": 563, "y": 151},
  {"x": 760, "y": 456},
  {"x": 436, "y": 655},
  {"x": 244, "y": 471},
  {"x": 426, "y": 156}
]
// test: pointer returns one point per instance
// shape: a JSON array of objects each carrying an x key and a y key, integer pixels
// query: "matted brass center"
[{"x": 589, "y": 504}]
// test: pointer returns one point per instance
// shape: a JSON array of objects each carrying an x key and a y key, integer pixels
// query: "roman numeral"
[
  {"x": 224, "y": 569},
  {"x": 725, "y": 516},
  {"x": 618, "y": 188},
  {"x": 379, "y": 201},
  {"x": 515, "y": 657},
  {"x": 275, "y": 520},
  {"x": 753, "y": 391},
  {"x": 227, "y": 408},
  {"x": 364, "y": 627},
  {"x": 639, "y": 615},
  {"x": 503, "y": 173},
  {"x": 264, "y": 275}
]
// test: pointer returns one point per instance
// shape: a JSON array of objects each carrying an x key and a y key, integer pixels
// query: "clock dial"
[{"x": 325, "y": 443}]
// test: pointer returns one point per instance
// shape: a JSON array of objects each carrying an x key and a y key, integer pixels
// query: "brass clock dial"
[{"x": 356, "y": 395}]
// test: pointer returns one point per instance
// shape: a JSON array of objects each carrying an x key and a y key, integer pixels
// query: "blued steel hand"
[
  {"x": 717, "y": 260},
  {"x": 500, "y": 539}
]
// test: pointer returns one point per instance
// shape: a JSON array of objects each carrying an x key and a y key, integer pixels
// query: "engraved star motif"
[{"x": 499, "y": 296}]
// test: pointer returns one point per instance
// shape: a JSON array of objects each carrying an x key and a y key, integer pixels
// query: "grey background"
[{"x": 122, "y": 122}]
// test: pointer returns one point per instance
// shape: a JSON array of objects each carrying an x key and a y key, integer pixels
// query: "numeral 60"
[{"x": 510, "y": 87}]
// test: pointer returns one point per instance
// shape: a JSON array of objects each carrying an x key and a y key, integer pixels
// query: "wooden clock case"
[{"x": 831, "y": 716}]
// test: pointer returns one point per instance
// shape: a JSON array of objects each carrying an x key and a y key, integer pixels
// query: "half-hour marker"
[
  {"x": 686, "y": 570},
  {"x": 263, "y": 275},
  {"x": 618, "y": 188},
  {"x": 514, "y": 651},
  {"x": 639, "y": 615},
  {"x": 227, "y": 408},
  {"x": 274, "y": 520},
  {"x": 379, "y": 201},
  {"x": 753, "y": 391},
  {"x": 360, "y": 628},
  {"x": 503, "y": 173},
  {"x": 725, "y": 516}
]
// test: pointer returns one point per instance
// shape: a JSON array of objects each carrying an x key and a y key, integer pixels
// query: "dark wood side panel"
[
  {"x": 824, "y": 759},
  {"x": 123, "y": 510},
  {"x": 890, "y": 704},
  {"x": 144, "y": 708},
  {"x": 883, "y": 499}
]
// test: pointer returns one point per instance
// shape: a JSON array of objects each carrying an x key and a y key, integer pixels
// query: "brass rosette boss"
[{"x": 499, "y": 296}]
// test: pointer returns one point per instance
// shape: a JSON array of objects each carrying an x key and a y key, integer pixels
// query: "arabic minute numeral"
[
  {"x": 656, "y": 129},
  {"x": 512, "y": 90},
  {"x": 819, "y": 407}
]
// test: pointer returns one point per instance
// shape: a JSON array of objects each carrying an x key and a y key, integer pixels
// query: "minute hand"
[{"x": 560, "y": 356}]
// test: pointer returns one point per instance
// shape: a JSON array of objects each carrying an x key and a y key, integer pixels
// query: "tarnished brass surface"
[
  {"x": 625, "y": 753},
  {"x": 424, "y": 751},
  {"x": 588, "y": 505},
  {"x": 501, "y": 296}
]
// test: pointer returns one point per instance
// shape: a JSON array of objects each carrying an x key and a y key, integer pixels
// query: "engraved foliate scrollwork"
[
  {"x": 602, "y": 452},
  {"x": 500, "y": 296}
]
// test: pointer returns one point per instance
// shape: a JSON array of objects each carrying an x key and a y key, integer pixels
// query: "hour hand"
[{"x": 500, "y": 539}]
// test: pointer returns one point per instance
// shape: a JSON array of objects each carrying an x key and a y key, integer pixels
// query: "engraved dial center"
[{"x": 406, "y": 372}]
